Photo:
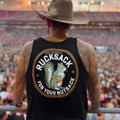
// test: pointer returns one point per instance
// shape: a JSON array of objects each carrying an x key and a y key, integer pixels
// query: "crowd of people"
[
  {"x": 108, "y": 59},
  {"x": 109, "y": 75},
  {"x": 95, "y": 37},
  {"x": 30, "y": 15},
  {"x": 108, "y": 71}
]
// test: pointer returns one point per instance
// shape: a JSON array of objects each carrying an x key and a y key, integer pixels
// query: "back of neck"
[{"x": 55, "y": 38}]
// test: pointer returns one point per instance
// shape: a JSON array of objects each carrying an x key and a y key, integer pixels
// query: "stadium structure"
[{"x": 19, "y": 27}]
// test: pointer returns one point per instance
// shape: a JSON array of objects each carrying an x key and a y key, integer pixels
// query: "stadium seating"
[
  {"x": 2, "y": 14},
  {"x": 94, "y": 35},
  {"x": 30, "y": 15}
]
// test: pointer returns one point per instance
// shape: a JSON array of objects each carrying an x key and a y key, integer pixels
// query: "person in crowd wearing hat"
[{"x": 57, "y": 70}]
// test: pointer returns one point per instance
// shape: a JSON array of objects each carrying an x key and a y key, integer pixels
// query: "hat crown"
[{"x": 61, "y": 9}]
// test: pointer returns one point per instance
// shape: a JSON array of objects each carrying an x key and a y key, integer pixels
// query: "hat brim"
[{"x": 78, "y": 18}]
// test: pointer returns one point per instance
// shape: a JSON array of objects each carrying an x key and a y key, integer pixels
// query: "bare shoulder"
[
  {"x": 27, "y": 49},
  {"x": 85, "y": 45},
  {"x": 85, "y": 51},
  {"x": 26, "y": 53}
]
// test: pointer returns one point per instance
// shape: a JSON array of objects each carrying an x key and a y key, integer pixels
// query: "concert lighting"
[
  {"x": 42, "y": 3},
  {"x": 1, "y": 2},
  {"x": 89, "y": 5},
  {"x": 38, "y": 3},
  {"x": 101, "y": 3},
  {"x": 29, "y": 2},
  {"x": 92, "y": 3}
]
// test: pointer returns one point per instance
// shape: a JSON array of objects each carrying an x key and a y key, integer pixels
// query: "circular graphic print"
[{"x": 55, "y": 73}]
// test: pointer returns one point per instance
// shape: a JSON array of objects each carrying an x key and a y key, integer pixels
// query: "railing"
[{"x": 101, "y": 110}]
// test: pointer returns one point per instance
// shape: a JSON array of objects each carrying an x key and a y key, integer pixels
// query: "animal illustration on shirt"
[{"x": 54, "y": 77}]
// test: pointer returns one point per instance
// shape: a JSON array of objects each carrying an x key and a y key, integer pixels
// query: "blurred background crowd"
[{"x": 18, "y": 26}]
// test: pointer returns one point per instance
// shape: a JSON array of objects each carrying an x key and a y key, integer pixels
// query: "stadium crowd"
[{"x": 99, "y": 36}]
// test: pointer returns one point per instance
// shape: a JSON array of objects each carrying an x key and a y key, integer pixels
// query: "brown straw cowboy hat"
[{"x": 62, "y": 11}]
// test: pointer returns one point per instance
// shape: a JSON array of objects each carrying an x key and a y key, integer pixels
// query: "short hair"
[{"x": 59, "y": 25}]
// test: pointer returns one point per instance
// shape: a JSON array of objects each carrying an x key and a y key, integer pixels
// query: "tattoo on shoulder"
[
  {"x": 92, "y": 54},
  {"x": 84, "y": 52},
  {"x": 27, "y": 50},
  {"x": 93, "y": 57},
  {"x": 26, "y": 54}
]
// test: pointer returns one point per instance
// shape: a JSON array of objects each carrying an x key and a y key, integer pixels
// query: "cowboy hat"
[{"x": 62, "y": 11}]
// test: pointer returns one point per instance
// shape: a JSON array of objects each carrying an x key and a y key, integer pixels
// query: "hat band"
[{"x": 60, "y": 18}]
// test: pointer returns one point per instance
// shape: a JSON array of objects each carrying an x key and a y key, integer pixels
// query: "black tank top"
[{"x": 56, "y": 81}]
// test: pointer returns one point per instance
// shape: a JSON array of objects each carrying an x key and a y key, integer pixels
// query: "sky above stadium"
[{"x": 79, "y": 5}]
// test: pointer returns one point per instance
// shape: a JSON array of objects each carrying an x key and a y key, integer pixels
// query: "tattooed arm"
[
  {"x": 88, "y": 57},
  {"x": 92, "y": 84},
  {"x": 84, "y": 53},
  {"x": 27, "y": 53},
  {"x": 19, "y": 86}
]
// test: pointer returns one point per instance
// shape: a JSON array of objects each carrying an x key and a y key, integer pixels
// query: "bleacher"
[
  {"x": 95, "y": 37},
  {"x": 30, "y": 15},
  {"x": 104, "y": 16},
  {"x": 18, "y": 16},
  {"x": 16, "y": 34}
]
